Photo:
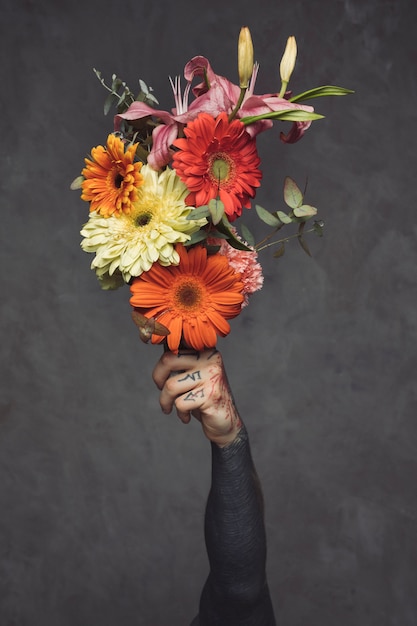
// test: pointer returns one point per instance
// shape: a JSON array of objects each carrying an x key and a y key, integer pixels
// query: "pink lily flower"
[{"x": 213, "y": 96}]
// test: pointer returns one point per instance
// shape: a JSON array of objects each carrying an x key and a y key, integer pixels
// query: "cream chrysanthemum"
[{"x": 157, "y": 221}]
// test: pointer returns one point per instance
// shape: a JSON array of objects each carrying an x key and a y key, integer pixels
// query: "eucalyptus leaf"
[
  {"x": 318, "y": 227},
  {"x": 212, "y": 249},
  {"x": 305, "y": 210},
  {"x": 197, "y": 237},
  {"x": 325, "y": 90},
  {"x": 278, "y": 253},
  {"x": 218, "y": 235},
  {"x": 266, "y": 216},
  {"x": 77, "y": 183},
  {"x": 285, "y": 219},
  {"x": 216, "y": 208},
  {"x": 292, "y": 193},
  {"x": 116, "y": 83},
  {"x": 225, "y": 227},
  {"x": 143, "y": 86},
  {"x": 247, "y": 235},
  {"x": 109, "y": 102},
  {"x": 199, "y": 212},
  {"x": 304, "y": 245}
]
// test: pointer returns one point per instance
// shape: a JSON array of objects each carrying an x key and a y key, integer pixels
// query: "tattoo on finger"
[
  {"x": 191, "y": 376},
  {"x": 192, "y": 396}
]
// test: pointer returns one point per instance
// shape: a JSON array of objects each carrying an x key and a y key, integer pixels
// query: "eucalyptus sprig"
[
  {"x": 121, "y": 96},
  {"x": 299, "y": 213}
]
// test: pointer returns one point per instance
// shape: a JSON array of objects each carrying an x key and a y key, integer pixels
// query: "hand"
[{"x": 196, "y": 383}]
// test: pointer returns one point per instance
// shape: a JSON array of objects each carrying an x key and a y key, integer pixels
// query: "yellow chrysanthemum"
[
  {"x": 111, "y": 178},
  {"x": 157, "y": 221}
]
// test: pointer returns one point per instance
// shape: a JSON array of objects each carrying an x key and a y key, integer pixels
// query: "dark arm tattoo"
[{"x": 236, "y": 591}]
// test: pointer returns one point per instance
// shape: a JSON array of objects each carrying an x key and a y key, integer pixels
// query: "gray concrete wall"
[{"x": 101, "y": 496}]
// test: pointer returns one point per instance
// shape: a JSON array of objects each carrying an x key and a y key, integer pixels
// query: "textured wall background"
[{"x": 101, "y": 496}]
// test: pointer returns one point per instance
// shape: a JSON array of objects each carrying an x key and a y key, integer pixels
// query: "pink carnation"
[{"x": 243, "y": 261}]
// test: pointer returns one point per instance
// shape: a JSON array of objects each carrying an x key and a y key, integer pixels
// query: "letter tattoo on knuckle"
[
  {"x": 192, "y": 396},
  {"x": 191, "y": 376}
]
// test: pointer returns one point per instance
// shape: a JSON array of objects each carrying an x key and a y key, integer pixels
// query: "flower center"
[
  {"x": 143, "y": 218},
  {"x": 221, "y": 167},
  {"x": 188, "y": 294},
  {"x": 118, "y": 180}
]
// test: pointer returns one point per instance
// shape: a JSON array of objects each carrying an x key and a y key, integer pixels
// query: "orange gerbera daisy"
[
  {"x": 193, "y": 299},
  {"x": 218, "y": 158},
  {"x": 111, "y": 178}
]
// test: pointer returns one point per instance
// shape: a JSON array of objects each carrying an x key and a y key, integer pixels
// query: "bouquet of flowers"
[{"x": 167, "y": 192}]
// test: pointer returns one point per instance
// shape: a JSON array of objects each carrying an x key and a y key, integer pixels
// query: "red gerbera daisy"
[
  {"x": 218, "y": 158},
  {"x": 193, "y": 299}
]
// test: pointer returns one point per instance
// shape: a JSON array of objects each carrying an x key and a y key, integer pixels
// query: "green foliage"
[
  {"x": 225, "y": 228},
  {"x": 292, "y": 193},
  {"x": 121, "y": 97},
  {"x": 199, "y": 212},
  {"x": 280, "y": 252},
  {"x": 216, "y": 208},
  {"x": 300, "y": 213},
  {"x": 197, "y": 237},
  {"x": 290, "y": 115},
  {"x": 247, "y": 235},
  {"x": 267, "y": 217},
  {"x": 305, "y": 211},
  {"x": 317, "y": 92}
]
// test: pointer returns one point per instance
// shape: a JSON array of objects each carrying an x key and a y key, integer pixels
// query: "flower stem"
[
  {"x": 238, "y": 104},
  {"x": 261, "y": 245}
]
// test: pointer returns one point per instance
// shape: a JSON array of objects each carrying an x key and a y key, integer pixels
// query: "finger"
[
  {"x": 191, "y": 402},
  {"x": 185, "y": 417},
  {"x": 170, "y": 362},
  {"x": 183, "y": 388}
]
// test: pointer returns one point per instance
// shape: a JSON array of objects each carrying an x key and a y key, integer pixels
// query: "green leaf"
[
  {"x": 218, "y": 235},
  {"x": 199, "y": 212},
  {"x": 225, "y": 227},
  {"x": 216, "y": 208},
  {"x": 325, "y": 90},
  {"x": 292, "y": 193},
  {"x": 116, "y": 83},
  {"x": 247, "y": 235},
  {"x": 287, "y": 115},
  {"x": 305, "y": 210},
  {"x": 212, "y": 249},
  {"x": 280, "y": 252},
  {"x": 266, "y": 216},
  {"x": 318, "y": 227},
  {"x": 77, "y": 183},
  {"x": 109, "y": 102},
  {"x": 285, "y": 219},
  {"x": 301, "y": 239},
  {"x": 304, "y": 245},
  {"x": 197, "y": 237}
]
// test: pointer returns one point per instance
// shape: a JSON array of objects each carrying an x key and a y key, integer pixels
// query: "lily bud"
[
  {"x": 288, "y": 60},
  {"x": 245, "y": 57}
]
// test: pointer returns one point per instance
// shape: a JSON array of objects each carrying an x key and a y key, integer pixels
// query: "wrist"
[{"x": 226, "y": 435}]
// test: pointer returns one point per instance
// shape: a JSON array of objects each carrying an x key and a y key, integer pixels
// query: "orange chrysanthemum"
[
  {"x": 218, "y": 158},
  {"x": 193, "y": 299},
  {"x": 111, "y": 178}
]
